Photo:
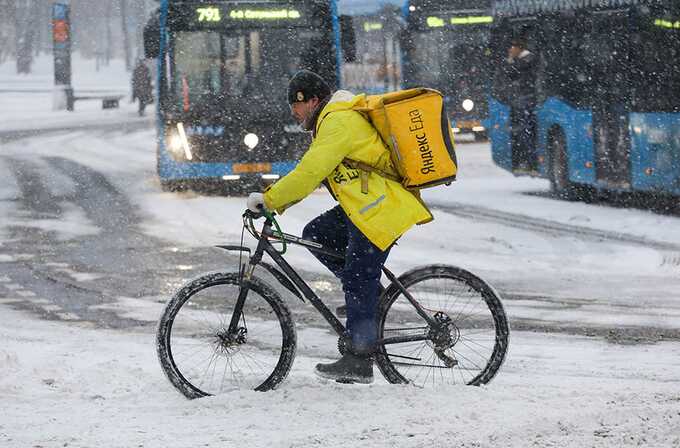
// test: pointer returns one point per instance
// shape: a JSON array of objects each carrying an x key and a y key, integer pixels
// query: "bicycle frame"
[{"x": 265, "y": 246}]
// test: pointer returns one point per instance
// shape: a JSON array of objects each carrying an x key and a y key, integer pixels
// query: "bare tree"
[
  {"x": 24, "y": 34},
  {"x": 126, "y": 30},
  {"x": 25, "y": 29},
  {"x": 7, "y": 29}
]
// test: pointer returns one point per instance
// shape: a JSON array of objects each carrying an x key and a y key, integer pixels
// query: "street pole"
[{"x": 61, "y": 40}]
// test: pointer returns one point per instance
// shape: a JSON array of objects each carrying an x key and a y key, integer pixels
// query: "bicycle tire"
[
  {"x": 440, "y": 288},
  {"x": 194, "y": 322}
]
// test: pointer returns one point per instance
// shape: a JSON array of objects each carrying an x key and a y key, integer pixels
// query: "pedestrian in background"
[
  {"x": 520, "y": 70},
  {"x": 141, "y": 85}
]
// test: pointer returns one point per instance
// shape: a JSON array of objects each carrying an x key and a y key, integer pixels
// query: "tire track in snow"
[
  {"x": 124, "y": 126},
  {"x": 549, "y": 227}
]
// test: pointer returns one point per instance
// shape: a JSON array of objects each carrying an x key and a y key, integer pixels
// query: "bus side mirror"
[
  {"x": 348, "y": 40},
  {"x": 152, "y": 37}
]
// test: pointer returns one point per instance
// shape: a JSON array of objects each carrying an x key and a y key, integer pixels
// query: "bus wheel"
[
  {"x": 172, "y": 186},
  {"x": 559, "y": 172},
  {"x": 167, "y": 186}
]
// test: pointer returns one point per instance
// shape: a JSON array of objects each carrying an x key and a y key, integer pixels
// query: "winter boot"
[{"x": 349, "y": 369}]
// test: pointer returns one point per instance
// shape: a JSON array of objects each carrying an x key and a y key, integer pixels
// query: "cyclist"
[{"x": 373, "y": 211}]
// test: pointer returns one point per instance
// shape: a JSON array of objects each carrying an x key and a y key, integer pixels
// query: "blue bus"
[
  {"x": 607, "y": 94},
  {"x": 222, "y": 73},
  {"x": 445, "y": 45}
]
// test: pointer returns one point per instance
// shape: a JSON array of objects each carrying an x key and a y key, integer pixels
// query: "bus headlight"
[
  {"x": 251, "y": 140},
  {"x": 468, "y": 105},
  {"x": 178, "y": 143},
  {"x": 175, "y": 144}
]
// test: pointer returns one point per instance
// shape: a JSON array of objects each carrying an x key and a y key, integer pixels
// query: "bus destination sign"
[
  {"x": 216, "y": 15},
  {"x": 442, "y": 21}
]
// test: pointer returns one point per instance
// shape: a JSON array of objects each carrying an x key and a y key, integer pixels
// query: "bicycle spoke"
[
  {"x": 213, "y": 359},
  {"x": 467, "y": 330}
]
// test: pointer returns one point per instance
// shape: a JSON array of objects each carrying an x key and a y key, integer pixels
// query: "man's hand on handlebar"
[{"x": 255, "y": 202}]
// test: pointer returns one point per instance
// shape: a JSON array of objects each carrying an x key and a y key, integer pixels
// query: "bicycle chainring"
[{"x": 343, "y": 345}]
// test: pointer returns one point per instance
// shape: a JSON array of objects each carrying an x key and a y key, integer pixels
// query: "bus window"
[
  {"x": 656, "y": 50},
  {"x": 426, "y": 58},
  {"x": 568, "y": 73},
  {"x": 279, "y": 57},
  {"x": 257, "y": 63},
  {"x": 442, "y": 58},
  {"x": 234, "y": 63},
  {"x": 608, "y": 55},
  {"x": 197, "y": 66}
]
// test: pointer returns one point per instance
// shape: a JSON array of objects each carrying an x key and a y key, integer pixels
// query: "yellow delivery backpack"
[{"x": 414, "y": 125}]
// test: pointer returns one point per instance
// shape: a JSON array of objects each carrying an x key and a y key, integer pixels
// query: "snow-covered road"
[
  {"x": 86, "y": 234},
  {"x": 68, "y": 383}
]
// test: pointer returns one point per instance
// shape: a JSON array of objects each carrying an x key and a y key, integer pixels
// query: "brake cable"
[
  {"x": 278, "y": 233},
  {"x": 241, "y": 267},
  {"x": 269, "y": 215}
]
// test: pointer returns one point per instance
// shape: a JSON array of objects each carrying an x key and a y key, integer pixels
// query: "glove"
[{"x": 256, "y": 202}]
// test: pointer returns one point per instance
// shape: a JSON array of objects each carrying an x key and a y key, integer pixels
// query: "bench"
[{"x": 108, "y": 101}]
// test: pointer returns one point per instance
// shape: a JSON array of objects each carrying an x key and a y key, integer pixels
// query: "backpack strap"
[{"x": 364, "y": 169}]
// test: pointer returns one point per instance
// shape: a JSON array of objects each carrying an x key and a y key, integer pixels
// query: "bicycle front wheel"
[
  {"x": 466, "y": 346},
  {"x": 201, "y": 356}
]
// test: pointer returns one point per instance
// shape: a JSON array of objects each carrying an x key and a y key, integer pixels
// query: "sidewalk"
[{"x": 27, "y": 99}]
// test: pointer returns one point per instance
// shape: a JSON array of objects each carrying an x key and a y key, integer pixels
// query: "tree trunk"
[
  {"x": 126, "y": 37},
  {"x": 108, "y": 50},
  {"x": 24, "y": 35},
  {"x": 7, "y": 29}
]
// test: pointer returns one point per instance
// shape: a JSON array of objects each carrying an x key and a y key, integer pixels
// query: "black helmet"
[{"x": 305, "y": 85}]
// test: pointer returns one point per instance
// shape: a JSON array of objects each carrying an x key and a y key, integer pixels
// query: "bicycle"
[{"x": 438, "y": 324}]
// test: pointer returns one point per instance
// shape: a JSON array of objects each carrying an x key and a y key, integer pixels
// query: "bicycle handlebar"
[
  {"x": 269, "y": 220},
  {"x": 249, "y": 214}
]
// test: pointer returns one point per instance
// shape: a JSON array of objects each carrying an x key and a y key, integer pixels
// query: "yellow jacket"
[{"x": 386, "y": 210}]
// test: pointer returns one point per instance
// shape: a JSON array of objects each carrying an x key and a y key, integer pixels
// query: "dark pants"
[
  {"x": 359, "y": 272},
  {"x": 523, "y": 122}
]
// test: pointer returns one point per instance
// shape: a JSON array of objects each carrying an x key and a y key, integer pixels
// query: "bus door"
[{"x": 611, "y": 97}]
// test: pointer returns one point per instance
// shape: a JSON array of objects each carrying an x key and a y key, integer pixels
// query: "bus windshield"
[
  {"x": 218, "y": 66},
  {"x": 455, "y": 61},
  {"x": 459, "y": 65}
]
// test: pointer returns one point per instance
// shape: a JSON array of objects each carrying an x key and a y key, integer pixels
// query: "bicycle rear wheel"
[
  {"x": 467, "y": 346},
  {"x": 201, "y": 357}
]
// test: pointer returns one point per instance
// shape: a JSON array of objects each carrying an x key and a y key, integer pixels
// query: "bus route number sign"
[
  {"x": 211, "y": 15},
  {"x": 208, "y": 14}
]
